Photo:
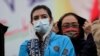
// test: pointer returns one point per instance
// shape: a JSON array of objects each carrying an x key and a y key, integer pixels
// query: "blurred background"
[{"x": 16, "y": 15}]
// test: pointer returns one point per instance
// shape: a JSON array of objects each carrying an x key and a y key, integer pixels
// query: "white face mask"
[{"x": 41, "y": 25}]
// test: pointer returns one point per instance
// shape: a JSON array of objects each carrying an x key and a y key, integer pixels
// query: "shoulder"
[
  {"x": 61, "y": 37},
  {"x": 24, "y": 43}
]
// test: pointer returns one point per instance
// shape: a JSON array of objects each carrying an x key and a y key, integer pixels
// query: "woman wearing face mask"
[
  {"x": 75, "y": 26},
  {"x": 46, "y": 42}
]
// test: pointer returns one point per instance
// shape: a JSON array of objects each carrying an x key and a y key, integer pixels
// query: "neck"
[{"x": 40, "y": 35}]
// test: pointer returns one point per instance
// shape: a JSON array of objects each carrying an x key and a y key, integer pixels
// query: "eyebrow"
[{"x": 44, "y": 14}]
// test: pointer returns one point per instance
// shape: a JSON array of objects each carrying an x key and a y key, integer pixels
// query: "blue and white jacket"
[{"x": 58, "y": 45}]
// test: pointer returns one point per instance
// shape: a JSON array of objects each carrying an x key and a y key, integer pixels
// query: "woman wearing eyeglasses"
[{"x": 74, "y": 26}]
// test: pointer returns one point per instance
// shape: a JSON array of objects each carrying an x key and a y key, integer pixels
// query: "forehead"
[
  {"x": 39, "y": 12},
  {"x": 69, "y": 19}
]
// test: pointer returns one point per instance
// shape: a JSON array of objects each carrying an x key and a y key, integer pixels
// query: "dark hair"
[
  {"x": 79, "y": 19},
  {"x": 41, "y": 7}
]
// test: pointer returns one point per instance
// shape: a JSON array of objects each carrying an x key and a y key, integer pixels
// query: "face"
[
  {"x": 70, "y": 26},
  {"x": 40, "y": 14},
  {"x": 41, "y": 21}
]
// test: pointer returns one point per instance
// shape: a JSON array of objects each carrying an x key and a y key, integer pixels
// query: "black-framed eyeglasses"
[{"x": 67, "y": 25}]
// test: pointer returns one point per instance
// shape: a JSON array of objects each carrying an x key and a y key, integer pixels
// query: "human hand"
[{"x": 87, "y": 27}]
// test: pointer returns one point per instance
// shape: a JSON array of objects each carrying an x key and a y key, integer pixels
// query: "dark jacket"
[{"x": 85, "y": 47}]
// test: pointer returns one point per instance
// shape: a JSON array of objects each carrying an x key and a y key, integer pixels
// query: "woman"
[
  {"x": 72, "y": 25},
  {"x": 46, "y": 42}
]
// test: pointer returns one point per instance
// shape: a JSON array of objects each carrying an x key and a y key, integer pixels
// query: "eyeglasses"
[{"x": 67, "y": 25}]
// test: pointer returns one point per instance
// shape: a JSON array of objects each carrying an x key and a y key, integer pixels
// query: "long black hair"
[{"x": 79, "y": 19}]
